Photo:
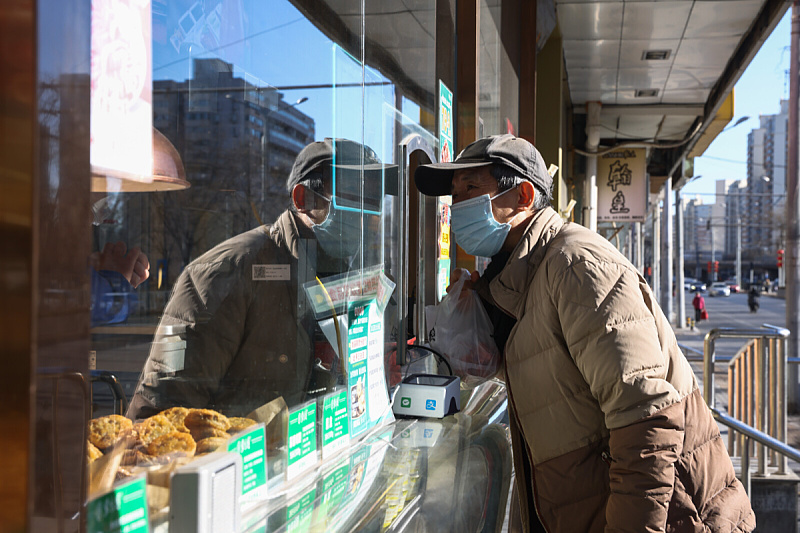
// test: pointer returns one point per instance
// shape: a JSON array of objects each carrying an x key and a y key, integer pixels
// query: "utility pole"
[
  {"x": 681, "y": 315},
  {"x": 792, "y": 207},
  {"x": 666, "y": 253},
  {"x": 739, "y": 252}
]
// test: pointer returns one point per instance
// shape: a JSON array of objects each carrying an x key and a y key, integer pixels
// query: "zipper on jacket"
[{"x": 530, "y": 460}]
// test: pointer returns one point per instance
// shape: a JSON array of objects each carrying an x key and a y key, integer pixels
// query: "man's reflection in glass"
[{"x": 240, "y": 308}]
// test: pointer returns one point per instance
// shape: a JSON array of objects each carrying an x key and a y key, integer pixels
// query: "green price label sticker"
[
  {"x": 302, "y": 439},
  {"x": 251, "y": 446},
  {"x": 123, "y": 510},
  {"x": 335, "y": 423}
]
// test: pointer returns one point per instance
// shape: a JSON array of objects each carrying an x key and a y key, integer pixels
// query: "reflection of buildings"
[
  {"x": 237, "y": 142},
  {"x": 232, "y": 135}
]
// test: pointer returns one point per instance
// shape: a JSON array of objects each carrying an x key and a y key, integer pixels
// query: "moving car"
[
  {"x": 692, "y": 285},
  {"x": 733, "y": 285},
  {"x": 719, "y": 288}
]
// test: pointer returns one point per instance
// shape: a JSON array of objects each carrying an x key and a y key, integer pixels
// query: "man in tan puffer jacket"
[{"x": 609, "y": 429}]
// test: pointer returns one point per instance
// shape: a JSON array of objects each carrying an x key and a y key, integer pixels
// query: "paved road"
[{"x": 731, "y": 311}]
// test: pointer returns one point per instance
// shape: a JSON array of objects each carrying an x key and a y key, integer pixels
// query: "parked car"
[
  {"x": 732, "y": 285},
  {"x": 693, "y": 285},
  {"x": 719, "y": 288}
]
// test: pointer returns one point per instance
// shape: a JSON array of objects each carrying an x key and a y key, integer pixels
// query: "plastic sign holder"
[{"x": 428, "y": 395}]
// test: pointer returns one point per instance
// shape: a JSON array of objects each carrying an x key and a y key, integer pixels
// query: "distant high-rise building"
[
  {"x": 767, "y": 154},
  {"x": 735, "y": 209}
]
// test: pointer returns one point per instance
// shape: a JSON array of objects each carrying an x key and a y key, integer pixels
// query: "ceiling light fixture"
[
  {"x": 656, "y": 55},
  {"x": 646, "y": 93}
]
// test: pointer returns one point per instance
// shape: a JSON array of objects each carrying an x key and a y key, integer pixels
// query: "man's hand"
[
  {"x": 468, "y": 284},
  {"x": 132, "y": 264}
]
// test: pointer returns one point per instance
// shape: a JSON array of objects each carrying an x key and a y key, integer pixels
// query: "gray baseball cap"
[
  {"x": 343, "y": 154},
  {"x": 518, "y": 154}
]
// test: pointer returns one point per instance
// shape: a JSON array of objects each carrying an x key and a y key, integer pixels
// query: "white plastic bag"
[{"x": 460, "y": 329}]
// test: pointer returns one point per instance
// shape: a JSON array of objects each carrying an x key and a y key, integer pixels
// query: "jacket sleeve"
[
  {"x": 209, "y": 301},
  {"x": 609, "y": 322}
]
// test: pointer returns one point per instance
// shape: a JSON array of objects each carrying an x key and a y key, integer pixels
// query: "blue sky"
[{"x": 758, "y": 92}]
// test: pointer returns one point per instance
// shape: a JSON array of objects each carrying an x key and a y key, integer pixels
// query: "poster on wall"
[
  {"x": 622, "y": 185},
  {"x": 445, "y": 123},
  {"x": 443, "y": 260},
  {"x": 121, "y": 123}
]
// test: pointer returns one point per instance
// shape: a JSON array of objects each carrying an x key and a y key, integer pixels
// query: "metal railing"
[{"x": 757, "y": 395}]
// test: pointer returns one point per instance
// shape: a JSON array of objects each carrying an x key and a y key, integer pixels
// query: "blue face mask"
[
  {"x": 340, "y": 233},
  {"x": 475, "y": 227}
]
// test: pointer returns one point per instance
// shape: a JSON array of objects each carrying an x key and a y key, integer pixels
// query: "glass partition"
[{"x": 269, "y": 227}]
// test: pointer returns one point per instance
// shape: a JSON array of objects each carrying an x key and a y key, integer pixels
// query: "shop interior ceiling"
[{"x": 661, "y": 69}]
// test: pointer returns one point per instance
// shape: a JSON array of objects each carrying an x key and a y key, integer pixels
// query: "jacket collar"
[
  {"x": 508, "y": 289},
  {"x": 286, "y": 233}
]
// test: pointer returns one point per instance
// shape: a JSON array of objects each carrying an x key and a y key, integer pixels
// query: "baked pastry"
[
  {"x": 175, "y": 442},
  {"x": 176, "y": 415},
  {"x": 206, "y": 418},
  {"x": 105, "y": 431},
  {"x": 239, "y": 423},
  {"x": 92, "y": 453},
  {"x": 151, "y": 428},
  {"x": 210, "y": 444},
  {"x": 199, "y": 434}
]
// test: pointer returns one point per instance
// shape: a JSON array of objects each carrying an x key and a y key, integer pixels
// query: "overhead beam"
[{"x": 645, "y": 110}]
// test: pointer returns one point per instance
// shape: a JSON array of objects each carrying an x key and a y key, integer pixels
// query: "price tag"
[
  {"x": 302, "y": 439},
  {"x": 335, "y": 423},
  {"x": 251, "y": 446},
  {"x": 123, "y": 510}
]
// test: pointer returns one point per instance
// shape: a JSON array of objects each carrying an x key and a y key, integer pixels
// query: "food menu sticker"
[
  {"x": 445, "y": 123},
  {"x": 335, "y": 423},
  {"x": 302, "y": 439},
  {"x": 298, "y": 514},
  {"x": 123, "y": 510},
  {"x": 369, "y": 399},
  {"x": 251, "y": 446},
  {"x": 121, "y": 136},
  {"x": 357, "y": 374}
]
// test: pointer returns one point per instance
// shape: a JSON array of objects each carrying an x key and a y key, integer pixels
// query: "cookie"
[
  {"x": 199, "y": 434},
  {"x": 206, "y": 418},
  {"x": 175, "y": 442},
  {"x": 105, "y": 431},
  {"x": 152, "y": 428},
  {"x": 92, "y": 453},
  {"x": 239, "y": 423},
  {"x": 176, "y": 415},
  {"x": 210, "y": 444}
]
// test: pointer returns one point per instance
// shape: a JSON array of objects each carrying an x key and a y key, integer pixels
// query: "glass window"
[{"x": 271, "y": 228}]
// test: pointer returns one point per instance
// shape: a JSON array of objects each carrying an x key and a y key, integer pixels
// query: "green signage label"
[
  {"x": 335, "y": 422},
  {"x": 251, "y": 446},
  {"x": 123, "y": 510},
  {"x": 302, "y": 439},
  {"x": 298, "y": 514},
  {"x": 405, "y": 402}
]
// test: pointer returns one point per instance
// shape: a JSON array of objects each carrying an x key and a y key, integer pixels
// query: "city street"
[{"x": 731, "y": 312}]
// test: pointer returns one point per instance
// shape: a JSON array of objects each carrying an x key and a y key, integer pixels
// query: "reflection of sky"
[{"x": 270, "y": 43}]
